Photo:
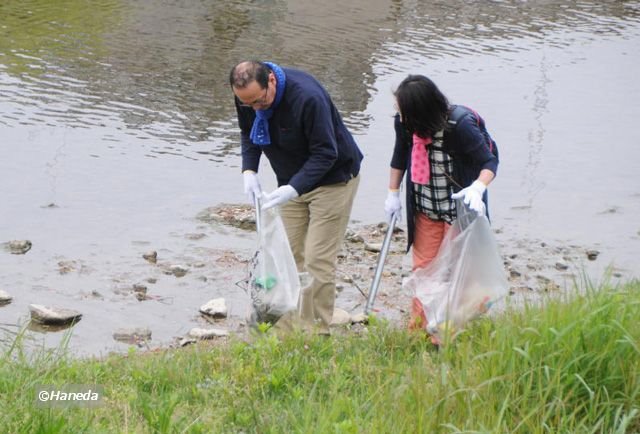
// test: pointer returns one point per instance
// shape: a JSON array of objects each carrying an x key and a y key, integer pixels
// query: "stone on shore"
[
  {"x": 340, "y": 317},
  {"x": 359, "y": 318},
  {"x": 238, "y": 215},
  {"x": 52, "y": 315},
  {"x": 216, "y": 308},
  {"x": 210, "y": 333}
]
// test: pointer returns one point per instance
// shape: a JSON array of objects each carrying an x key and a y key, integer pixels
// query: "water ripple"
[{"x": 158, "y": 69}]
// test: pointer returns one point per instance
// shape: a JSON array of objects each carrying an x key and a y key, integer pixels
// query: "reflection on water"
[{"x": 159, "y": 68}]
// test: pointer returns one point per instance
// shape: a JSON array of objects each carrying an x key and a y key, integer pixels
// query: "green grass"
[{"x": 567, "y": 366}]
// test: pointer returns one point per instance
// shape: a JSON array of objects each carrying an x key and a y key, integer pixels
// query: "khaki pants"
[{"x": 316, "y": 223}]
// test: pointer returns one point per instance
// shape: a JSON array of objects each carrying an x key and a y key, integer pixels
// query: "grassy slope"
[{"x": 570, "y": 366}]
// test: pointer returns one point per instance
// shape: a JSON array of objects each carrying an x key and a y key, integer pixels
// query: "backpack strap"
[{"x": 458, "y": 112}]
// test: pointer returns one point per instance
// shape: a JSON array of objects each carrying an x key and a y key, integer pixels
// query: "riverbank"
[
  {"x": 569, "y": 365},
  {"x": 156, "y": 289}
]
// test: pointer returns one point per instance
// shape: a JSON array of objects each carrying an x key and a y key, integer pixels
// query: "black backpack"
[{"x": 458, "y": 111}]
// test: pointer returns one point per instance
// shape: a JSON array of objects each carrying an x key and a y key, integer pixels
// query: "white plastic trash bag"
[
  {"x": 465, "y": 278},
  {"x": 274, "y": 286}
]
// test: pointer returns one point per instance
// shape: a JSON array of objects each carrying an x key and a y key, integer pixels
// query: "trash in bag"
[
  {"x": 273, "y": 283},
  {"x": 465, "y": 278}
]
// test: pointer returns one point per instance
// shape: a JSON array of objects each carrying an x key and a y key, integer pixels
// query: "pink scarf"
[{"x": 420, "y": 168}]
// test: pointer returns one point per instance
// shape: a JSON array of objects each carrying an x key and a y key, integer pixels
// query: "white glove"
[
  {"x": 392, "y": 204},
  {"x": 472, "y": 196},
  {"x": 251, "y": 184},
  {"x": 279, "y": 196}
]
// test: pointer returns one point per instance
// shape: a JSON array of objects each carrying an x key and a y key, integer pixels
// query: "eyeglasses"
[{"x": 260, "y": 101}]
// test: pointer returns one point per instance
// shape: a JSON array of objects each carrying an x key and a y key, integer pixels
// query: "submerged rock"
[
  {"x": 5, "y": 298},
  {"x": 132, "y": 335},
  {"x": 18, "y": 247},
  {"x": 52, "y": 315},
  {"x": 178, "y": 270},
  {"x": 592, "y": 255},
  {"x": 151, "y": 256}
]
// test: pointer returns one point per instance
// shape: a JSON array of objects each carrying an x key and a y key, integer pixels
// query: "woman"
[{"x": 446, "y": 153}]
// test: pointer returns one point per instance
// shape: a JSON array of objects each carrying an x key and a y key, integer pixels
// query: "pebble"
[
  {"x": 151, "y": 256},
  {"x": 592, "y": 255}
]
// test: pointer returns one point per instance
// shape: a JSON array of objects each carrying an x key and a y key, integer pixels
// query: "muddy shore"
[{"x": 161, "y": 289}]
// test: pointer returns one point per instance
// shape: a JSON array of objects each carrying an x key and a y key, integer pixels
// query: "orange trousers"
[{"x": 426, "y": 243}]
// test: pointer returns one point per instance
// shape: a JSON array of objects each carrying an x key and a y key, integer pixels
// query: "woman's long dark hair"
[{"x": 423, "y": 108}]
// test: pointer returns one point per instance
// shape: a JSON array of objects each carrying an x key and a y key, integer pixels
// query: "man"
[{"x": 287, "y": 115}]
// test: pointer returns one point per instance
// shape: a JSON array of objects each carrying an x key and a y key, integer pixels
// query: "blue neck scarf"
[{"x": 260, "y": 129}]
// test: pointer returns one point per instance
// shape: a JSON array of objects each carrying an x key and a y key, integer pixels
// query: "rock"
[
  {"x": 186, "y": 341},
  {"x": 216, "y": 308},
  {"x": 200, "y": 333},
  {"x": 54, "y": 316},
  {"x": 241, "y": 216},
  {"x": 353, "y": 237},
  {"x": 141, "y": 296},
  {"x": 178, "y": 270},
  {"x": 195, "y": 237},
  {"x": 373, "y": 247},
  {"x": 514, "y": 274},
  {"x": 151, "y": 256},
  {"x": 561, "y": 266},
  {"x": 5, "y": 298},
  {"x": 66, "y": 267},
  {"x": 139, "y": 288},
  {"x": 340, "y": 317},
  {"x": 18, "y": 247},
  {"x": 359, "y": 318},
  {"x": 592, "y": 255},
  {"x": 132, "y": 335}
]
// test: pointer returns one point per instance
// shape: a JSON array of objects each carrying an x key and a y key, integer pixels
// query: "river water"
[{"x": 117, "y": 128}]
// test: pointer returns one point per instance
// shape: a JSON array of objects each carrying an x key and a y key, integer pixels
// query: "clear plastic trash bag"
[
  {"x": 465, "y": 278},
  {"x": 273, "y": 283}
]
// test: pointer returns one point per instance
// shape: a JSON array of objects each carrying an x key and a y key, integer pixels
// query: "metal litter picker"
[
  {"x": 256, "y": 203},
  {"x": 373, "y": 291}
]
